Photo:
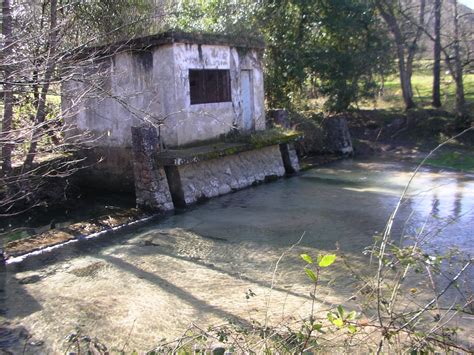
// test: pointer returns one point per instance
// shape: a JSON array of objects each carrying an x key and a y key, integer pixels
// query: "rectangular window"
[{"x": 209, "y": 85}]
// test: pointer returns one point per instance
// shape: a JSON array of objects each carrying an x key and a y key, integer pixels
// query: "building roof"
[{"x": 163, "y": 38}]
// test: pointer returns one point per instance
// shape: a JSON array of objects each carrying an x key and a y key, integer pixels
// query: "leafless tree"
[
  {"x": 405, "y": 37},
  {"x": 7, "y": 85},
  {"x": 455, "y": 43},
  {"x": 456, "y": 65},
  {"x": 437, "y": 55}
]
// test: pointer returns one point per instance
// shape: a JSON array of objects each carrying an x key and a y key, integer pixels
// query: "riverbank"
[
  {"x": 411, "y": 136},
  {"x": 389, "y": 134},
  {"x": 197, "y": 267}
]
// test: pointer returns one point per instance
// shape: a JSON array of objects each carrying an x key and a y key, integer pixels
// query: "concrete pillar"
[
  {"x": 289, "y": 157},
  {"x": 151, "y": 186}
]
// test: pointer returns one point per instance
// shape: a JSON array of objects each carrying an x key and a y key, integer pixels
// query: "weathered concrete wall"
[
  {"x": 206, "y": 121},
  {"x": 109, "y": 97},
  {"x": 220, "y": 176}
]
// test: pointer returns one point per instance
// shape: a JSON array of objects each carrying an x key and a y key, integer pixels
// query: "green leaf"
[
  {"x": 318, "y": 327},
  {"x": 311, "y": 274},
  {"x": 340, "y": 310},
  {"x": 307, "y": 258},
  {"x": 330, "y": 316},
  {"x": 352, "y": 328},
  {"x": 327, "y": 260},
  {"x": 338, "y": 322},
  {"x": 352, "y": 315}
]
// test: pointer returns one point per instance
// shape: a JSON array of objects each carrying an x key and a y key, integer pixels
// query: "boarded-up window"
[{"x": 208, "y": 86}]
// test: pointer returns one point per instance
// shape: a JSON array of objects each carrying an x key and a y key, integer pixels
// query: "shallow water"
[{"x": 198, "y": 265}]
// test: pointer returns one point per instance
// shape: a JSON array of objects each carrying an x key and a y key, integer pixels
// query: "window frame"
[{"x": 207, "y": 86}]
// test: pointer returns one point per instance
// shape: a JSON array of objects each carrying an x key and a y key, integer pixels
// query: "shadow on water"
[
  {"x": 12, "y": 336},
  {"x": 170, "y": 288},
  {"x": 236, "y": 275}
]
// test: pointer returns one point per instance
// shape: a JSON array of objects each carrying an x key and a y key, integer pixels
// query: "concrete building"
[
  {"x": 159, "y": 109},
  {"x": 192, "y": 87}
]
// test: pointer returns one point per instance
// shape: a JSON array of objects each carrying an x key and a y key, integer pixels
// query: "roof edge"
[{"x": 170, "y": 37}]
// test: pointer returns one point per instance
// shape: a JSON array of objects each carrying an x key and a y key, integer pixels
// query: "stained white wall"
[{"x": 153, "y": 85}]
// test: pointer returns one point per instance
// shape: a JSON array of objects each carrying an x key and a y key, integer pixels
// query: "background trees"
[
  {"x": 36, "y": 41},
  {"x": 323, "y": 48},
  {"x": 315, "y": 48}
]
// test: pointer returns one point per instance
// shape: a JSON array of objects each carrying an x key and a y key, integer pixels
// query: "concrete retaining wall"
[
  {"x": 182, "y": 182},
  {"x": 220, "y": 176}
]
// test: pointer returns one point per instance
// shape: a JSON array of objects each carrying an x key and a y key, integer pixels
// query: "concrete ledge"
[{"x": 195, "y": 154}]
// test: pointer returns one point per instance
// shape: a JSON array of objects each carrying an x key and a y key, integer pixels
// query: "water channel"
[{"x": 197, "y": 266}]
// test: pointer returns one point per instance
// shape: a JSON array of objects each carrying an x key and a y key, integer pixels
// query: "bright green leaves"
[
  {"x": 307, "y": 258},
  {"x": 341, "y": 319},
  {"x": 311, "y": 274},
  {"x": 323, "y": 261},
  {"x": 327, "y": 260},
  {"x": 352, "y": 328}
]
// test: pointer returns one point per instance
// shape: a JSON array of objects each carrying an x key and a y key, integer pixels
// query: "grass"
[
  {"x": 422, "y": 82},
  {"x": 458, "y": 160}
]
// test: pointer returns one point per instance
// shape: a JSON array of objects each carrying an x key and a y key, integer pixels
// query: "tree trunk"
[
  {"x": 458, "y": 74},
  {"x": 437, "y": 56},
  {"x": 413, "y": 46},
  {"x": 7, "y": 87},
  {"x": 405, "y": 75},
  {"x": 50, "y": 66},
  {"x": 405, "y": 78}
]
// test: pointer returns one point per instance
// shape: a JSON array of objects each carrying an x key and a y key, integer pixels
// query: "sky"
[{"x": 469, "y": 3}]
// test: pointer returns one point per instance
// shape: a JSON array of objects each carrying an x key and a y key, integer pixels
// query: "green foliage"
[
  {"x": 342, "y": 319},
  {"x": 105, "y": 21},
  {"x": 321, "y": 48},
  {"x": 326, "y": 260},
  {"x": 315, "y": 48},
  {"x": 307, "y": 258},
  {"x": 311, "y": 274},
  {"x": 230, "y": 17},
  {"x": 323, "y": 261}
]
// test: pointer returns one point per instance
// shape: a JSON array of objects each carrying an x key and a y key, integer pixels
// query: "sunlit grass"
[
  {"x": 457, "y": 159},
  {"x": 422, "y": 82}
]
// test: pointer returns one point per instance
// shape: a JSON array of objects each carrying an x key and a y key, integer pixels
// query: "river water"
[{"x": 133, "y": 289}]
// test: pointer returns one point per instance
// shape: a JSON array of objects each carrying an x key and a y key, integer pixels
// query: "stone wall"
[
  {"x": 321, "y": 135},
  {"x": 216, "y": 177},
  {"x": 166, "y": 181},
  {"x": 337, "y": 136},
  {"x": 151, "y": 186}
]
